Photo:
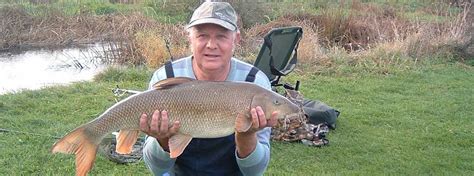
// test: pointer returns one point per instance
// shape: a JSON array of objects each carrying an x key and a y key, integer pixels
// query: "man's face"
[{"x": 212, "y": 46}]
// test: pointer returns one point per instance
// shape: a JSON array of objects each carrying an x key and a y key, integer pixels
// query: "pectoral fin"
[
  {"x": 125, "y": 141},
  {"x": 243, "y": 123},
  {"x": 178, "y": 143}
]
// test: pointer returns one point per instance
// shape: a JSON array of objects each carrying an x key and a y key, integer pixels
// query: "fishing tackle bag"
[{"x": 310, "y": 129}]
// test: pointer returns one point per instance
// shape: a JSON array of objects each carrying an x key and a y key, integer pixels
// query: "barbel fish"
[{"x": 205, "y": 109}]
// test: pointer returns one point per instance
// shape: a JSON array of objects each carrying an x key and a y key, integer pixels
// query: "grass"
[
  {"x": 140, "y": 28},
  {"x": 53, "y": 112},
  {"x": 162, "y": 11},
  {"x": 412, "y": 123},
  {"x": 415, "y": 122},
  {"x": 406, "y": 104}
]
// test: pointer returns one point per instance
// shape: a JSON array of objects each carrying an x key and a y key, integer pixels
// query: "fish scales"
[
  {"x": 193, "y": 109},
  {"x": 204, "y": 109},
  {"x": 214, "y": 121}
]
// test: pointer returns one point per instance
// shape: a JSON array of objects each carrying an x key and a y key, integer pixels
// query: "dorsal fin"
[{"x": 170, "y": 82}]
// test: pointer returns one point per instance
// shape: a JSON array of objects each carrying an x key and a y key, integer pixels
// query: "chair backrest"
[{"x": 278, "y": 54}]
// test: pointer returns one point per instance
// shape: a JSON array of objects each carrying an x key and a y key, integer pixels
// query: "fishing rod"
[{"x": 118, "y": 92}]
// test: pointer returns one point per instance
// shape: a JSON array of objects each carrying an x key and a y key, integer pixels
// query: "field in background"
[
  {"x": 393, "y": 68},
  {"x": 375, "y": 36},
  {"x": 418, "y": 122}
]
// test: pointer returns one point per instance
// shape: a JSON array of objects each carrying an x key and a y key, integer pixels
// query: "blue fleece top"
[{"x": 217, "y": 156}]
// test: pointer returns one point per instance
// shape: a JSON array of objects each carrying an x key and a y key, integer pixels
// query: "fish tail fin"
[
  {"x": 78, "y": 143},
  {"x": 125, "y": 141}
]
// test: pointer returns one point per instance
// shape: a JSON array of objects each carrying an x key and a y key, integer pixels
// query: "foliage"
[
  {"x": 371, "y": 33},
  {"x": 391, "y": 67},
  {"x": 162, "y": 44},
  {"x": 120, "y": 75},
  {"x": 410, "y": 123}
]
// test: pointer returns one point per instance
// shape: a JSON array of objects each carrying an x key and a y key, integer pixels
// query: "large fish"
[{"x": 204, "y": 109}]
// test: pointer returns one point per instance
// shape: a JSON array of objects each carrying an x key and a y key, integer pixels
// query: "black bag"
[
  {"x": 319, "y": 112},
  {"x": 316, "y": 111}
]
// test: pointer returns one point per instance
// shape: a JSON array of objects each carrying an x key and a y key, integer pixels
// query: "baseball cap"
[{"x": 220, "y": 13}]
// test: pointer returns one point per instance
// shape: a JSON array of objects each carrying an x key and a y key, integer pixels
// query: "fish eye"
[{"x": 276, "y": 102}]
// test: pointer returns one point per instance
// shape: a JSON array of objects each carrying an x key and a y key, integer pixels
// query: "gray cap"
[{"x": 220, "y": 13}]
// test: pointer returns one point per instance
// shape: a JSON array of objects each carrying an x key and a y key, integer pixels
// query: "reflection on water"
[{"x": 36, "y": 69}]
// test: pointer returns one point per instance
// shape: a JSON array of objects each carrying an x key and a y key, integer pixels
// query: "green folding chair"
[
  {"x": 277, "y": 58},
  {"x": 278, "y": 55}
]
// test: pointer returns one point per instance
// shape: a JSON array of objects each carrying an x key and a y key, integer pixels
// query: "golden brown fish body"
[{"x": 204, "y": 109}]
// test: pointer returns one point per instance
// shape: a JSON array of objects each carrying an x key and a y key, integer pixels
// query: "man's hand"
[
  {"x": 158, "y": 127},
  {"x": 247, "y": 141}
]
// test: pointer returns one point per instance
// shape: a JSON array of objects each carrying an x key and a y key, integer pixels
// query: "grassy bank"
[
  {"x": 391, "y": 67},
  {"x": 408, "y": 123},
  {"x": 357, "y": 32},
  {"x": 412, "y": 123}
]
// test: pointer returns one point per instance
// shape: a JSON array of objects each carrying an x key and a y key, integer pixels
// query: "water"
[{"x": 37, "y": 69}]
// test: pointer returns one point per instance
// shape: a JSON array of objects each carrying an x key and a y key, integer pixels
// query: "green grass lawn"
[{"x": 417, "y": 122}]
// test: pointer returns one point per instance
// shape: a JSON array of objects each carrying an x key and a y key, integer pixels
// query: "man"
[{"x": 213, "y": 34}]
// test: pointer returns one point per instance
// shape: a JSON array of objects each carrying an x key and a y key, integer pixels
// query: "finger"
[
  {"x": 262, "y": 121},
  {"x": 255, "y": 122},
  {"x": 273, "y": 119},
  {"x": 155, "y": 120},
  {"x": 174, "y": 129},
  {"x": 253, "y": 112},
  {"x": 164, "y": 122},
  {"x": 144, "y": 123}
]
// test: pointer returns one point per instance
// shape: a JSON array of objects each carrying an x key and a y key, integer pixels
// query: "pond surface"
[{"x": 37, "y": 69}]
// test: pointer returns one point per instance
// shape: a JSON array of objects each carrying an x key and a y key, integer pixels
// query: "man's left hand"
[{"x": 247, "y": 141}]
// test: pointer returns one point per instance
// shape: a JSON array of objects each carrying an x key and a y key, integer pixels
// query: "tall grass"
[
  {"x": 386, "y": 65},
  {"x": 378, "y": 40},
  {"x": 162, "y": 44},
  {"x": 170, "y": 12},
  {"x": 371, "y": 35}
]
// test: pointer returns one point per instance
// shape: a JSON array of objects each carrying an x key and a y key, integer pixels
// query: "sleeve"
[
  {"x": 158, "y": 75},
  {"x": 256, "y": 163},
  {"x": 262, "y": 80},
  {"x": 155, "y": 158}
]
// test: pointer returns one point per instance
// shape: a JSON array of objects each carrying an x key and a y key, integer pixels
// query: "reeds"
[
  {"x": 366, "y": 36},
  {"x": 166, "y": 42}
]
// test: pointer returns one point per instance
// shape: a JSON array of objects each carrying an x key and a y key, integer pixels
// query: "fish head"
[{"x": 271, "y": 101}]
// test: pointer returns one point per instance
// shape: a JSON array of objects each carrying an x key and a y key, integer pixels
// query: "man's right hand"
[{"x": 158, "y": 127}]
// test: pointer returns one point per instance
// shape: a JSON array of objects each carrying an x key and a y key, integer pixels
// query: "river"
[{"x": 40, "y": 68}]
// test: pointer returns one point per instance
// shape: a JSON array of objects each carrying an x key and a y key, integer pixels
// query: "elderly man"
[{"x": 213, "y": 34}]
